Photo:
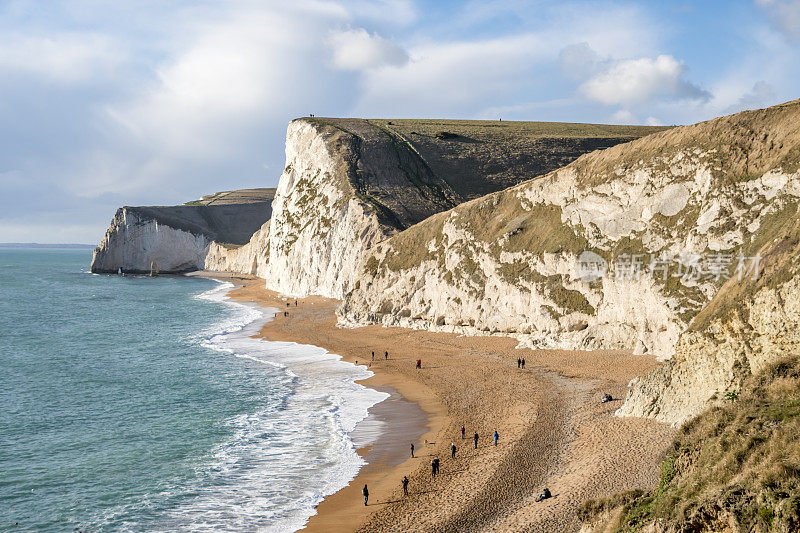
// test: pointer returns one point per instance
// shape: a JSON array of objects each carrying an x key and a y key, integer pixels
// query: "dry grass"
[{"x": 736, "y": 464}]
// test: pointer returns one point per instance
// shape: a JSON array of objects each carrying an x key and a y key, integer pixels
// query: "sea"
[{"x": 143, "y": 404}]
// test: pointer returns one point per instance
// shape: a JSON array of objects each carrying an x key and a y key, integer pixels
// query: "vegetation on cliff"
[{"x": 734, "y": 468}]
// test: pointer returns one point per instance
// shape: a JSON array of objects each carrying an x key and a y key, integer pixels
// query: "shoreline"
[
  {"x": 383, "y": 456},
  {"x": 553, "y": 430}
]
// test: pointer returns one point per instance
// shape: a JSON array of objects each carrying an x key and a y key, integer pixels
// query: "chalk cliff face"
[
  {"x": 138, "y": 244},
  {"x": 178, "y": 239},
  {"x": 508, "y": 264}
]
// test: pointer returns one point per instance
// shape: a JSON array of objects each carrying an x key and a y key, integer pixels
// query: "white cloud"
[
  {"x": 358, "y": 50},
  {"x": 784, "y": 16},
  {"x": 624, "y": 116},
  {"x": 65, "y": 57},
  {"x": 653, "y": 121},
  {"x": 635, "y": 81}
]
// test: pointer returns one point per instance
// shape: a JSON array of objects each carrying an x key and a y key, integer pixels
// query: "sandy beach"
[{"x": 554, "y": 431}]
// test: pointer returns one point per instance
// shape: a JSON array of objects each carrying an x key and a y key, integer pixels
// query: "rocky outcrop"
[
  {"x": 669, "y": 214},
  {"x": 177, "y": 239}
]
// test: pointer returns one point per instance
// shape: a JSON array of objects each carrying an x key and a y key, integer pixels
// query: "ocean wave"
[{"x": 282, "y": 460}]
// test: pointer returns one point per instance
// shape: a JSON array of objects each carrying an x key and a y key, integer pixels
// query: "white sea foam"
[{"x": 285, "y": 458}]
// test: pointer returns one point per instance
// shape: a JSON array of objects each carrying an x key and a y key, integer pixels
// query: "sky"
[{"x": 111, "y": 103}]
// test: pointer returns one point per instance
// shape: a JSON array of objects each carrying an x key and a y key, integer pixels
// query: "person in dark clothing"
[
  {"x": 519, "y": 362},
  {"x": 453, "y": 450},
  {"x": 436, "y": 464},
  {"x": 405, "y": 485},
  {"x": 373, "y": 356},
  {"x": 523, "y": 363},
  {"x": 496, "y": 436},
  {"x": 295, "y": 303},
  {"x": 433, "y": 469},
  {"x": 287, "y": 304},
  {"x": 365, "y": 492},
  {"x": 386, "y": 355},
  {"x": 412, "y": 450},
  {"x": 476, "y": 440},
  {"x": 607, "y": 398},
  {"x": 419, "y": 364},
  {"x": 544, "y": 495},
  {"x": 462, "y": 432}
]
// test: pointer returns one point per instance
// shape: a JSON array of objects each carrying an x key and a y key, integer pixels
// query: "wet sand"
[{"x": 554, "y": 432}]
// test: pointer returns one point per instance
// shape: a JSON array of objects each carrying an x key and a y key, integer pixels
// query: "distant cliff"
[{"x": 176, "y": 239}]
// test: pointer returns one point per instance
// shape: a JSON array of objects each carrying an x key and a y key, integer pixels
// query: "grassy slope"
[
  {"x": 737, "y": 465},
  {"x": 477, "y": 157}
]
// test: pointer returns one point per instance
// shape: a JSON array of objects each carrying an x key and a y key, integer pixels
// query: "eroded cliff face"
[
  {"x": 180, "y": 238},
  {"x": 507, "y": 263}
]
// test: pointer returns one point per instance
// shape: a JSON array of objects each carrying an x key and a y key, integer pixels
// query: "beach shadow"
[{"x": 386, "y": 502}]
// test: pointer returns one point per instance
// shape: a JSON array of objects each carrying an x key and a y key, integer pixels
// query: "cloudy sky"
[{"x": 110, "y": 103}]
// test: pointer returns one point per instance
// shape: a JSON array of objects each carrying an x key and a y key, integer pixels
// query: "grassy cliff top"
[
  {"x": 239, "y": 196},
  {"x": 478, "y": 157}
]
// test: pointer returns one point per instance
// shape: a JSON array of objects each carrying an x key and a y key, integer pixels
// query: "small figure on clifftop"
[
  {"x": 405, "y": 485},
  {"x": 365, "y": 492}
]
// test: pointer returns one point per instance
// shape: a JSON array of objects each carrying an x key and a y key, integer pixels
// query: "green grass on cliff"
[{"x": 734, "y": 468}]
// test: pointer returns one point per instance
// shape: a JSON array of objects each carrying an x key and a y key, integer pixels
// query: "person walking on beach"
[
  {"x": 476, "y": 440},
  {"x": 523, "y": 363},
  {"x": 433, "y": 469},
  {"x": 295, "y": 303},
  {"x": 496, "y": 436},
  {"x": 365, "y": 492},
  {"x": 386, "y": 355},
  {"x": 519, "y": 362},
  {"x": 462, "y": 431},
  {"x": 419, "y": 364},
  {"x": 452, "y": 450},
  {"x": 412, "y": 450},
  {"x": 373, "y": 356},
  {"x": 405, "y": 485}
]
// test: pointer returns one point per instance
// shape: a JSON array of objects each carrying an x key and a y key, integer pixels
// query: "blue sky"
[{"x": 104, "y": 104}]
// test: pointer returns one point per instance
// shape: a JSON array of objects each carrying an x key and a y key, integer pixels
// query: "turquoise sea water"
[{"x": 142, "y": 404}]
